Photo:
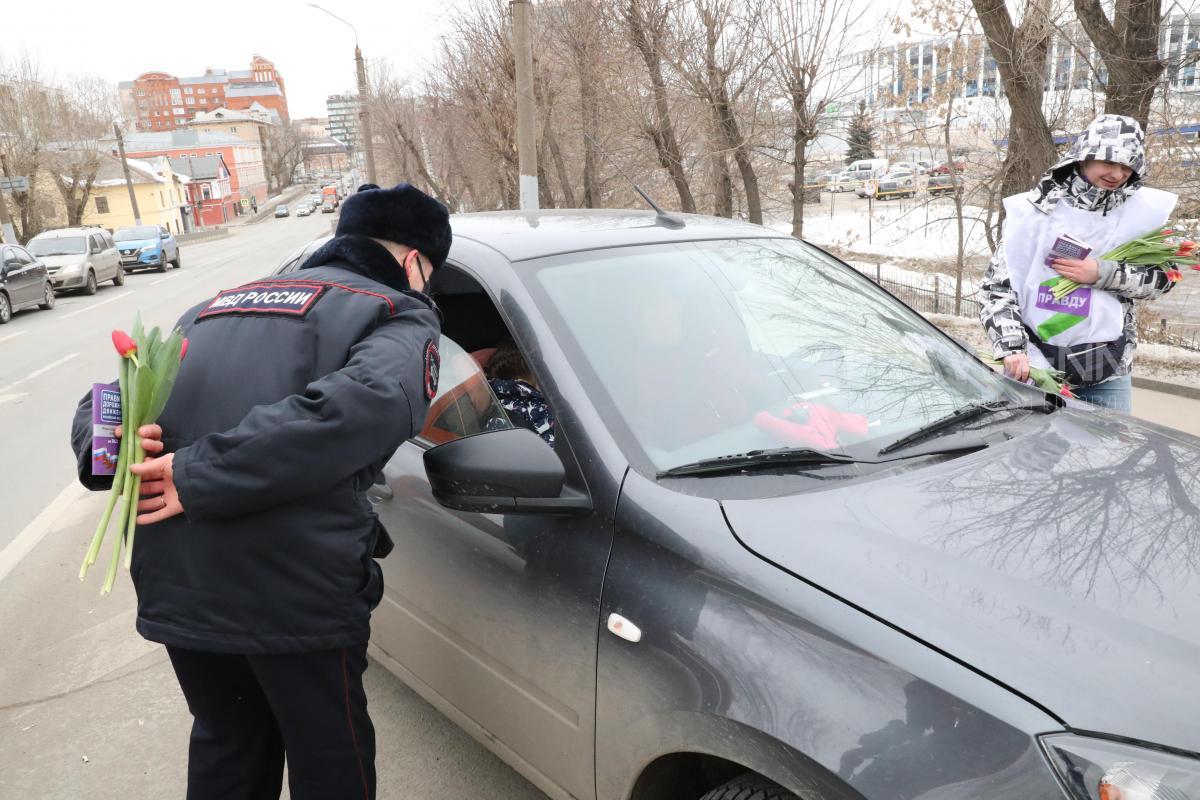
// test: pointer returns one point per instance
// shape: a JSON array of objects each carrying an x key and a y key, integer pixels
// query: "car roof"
[
  {"x": 522, "y": 235},
  {"x": 57, "y": 232}
]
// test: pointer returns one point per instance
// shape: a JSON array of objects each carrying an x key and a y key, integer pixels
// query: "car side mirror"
[{"x": 502, "y": 472}]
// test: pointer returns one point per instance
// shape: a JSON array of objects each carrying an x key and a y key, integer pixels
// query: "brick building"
[
  {"x": 243, "y": 159},
  {"x": 210, "y": 193},
  {"x": 157, "y": 101}
]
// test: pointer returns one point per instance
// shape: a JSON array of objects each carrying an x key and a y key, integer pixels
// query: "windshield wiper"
[
  {"x": 736, "y": 462},
  {"x": 967, "y": 412}
]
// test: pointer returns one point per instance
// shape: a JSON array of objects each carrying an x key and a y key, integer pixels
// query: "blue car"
[{"x": 146, "y": 247}]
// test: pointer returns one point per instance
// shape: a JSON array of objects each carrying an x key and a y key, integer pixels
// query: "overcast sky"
[{"x": 119, "y": 39}]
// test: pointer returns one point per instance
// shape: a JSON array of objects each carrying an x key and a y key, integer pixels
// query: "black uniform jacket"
[{"x": 294, "y": 392}]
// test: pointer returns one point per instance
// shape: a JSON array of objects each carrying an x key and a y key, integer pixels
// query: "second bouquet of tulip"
[
  {"x": 1163, "y": 246},
  {"x": 147, "y": 371}
]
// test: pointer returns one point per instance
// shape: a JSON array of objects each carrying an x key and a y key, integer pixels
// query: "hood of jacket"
[{"x": 1109, "y": 137}]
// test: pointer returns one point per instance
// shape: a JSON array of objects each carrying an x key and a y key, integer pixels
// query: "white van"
[{"x": 869, "y": 167}]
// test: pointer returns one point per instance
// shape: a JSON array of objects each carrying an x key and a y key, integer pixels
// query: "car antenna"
[{"x": 661, "y": 217}]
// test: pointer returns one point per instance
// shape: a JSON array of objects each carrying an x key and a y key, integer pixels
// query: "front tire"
[
  {"x": 90, "y": 287},
  {"x": 47, "y": 298},
  {"x": 162, "y": 267},
  {"x": 749, "y": 787},
  {"x": 5, "y": 308}
]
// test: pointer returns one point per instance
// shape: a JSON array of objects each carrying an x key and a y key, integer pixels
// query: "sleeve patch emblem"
[
  {"x": 433, "y": 366},
  {"x": 293, "y": 300}
]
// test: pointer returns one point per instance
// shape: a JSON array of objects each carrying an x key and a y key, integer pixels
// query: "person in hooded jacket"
[
  {"x": 255, "y": 561},
  {"x": 1096, "y": 194}
]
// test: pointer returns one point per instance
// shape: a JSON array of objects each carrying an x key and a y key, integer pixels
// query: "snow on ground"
[{"x": 900, "y": 229}]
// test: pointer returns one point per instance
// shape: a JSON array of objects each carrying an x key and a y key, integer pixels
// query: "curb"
[
  {"x": 203, "y": 236},
  {"x": 1165, "y": 387}
]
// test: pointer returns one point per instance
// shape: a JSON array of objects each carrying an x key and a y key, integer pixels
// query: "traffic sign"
[{"x": 17, "y": 184}]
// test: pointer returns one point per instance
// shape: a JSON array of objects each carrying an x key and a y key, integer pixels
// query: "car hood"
[
  {"x": 137, "y": 244},
  {"x": 55, "y": 262},
  {"x": 1064, "y": 563}
]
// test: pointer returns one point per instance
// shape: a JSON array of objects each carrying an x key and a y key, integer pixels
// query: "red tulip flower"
[
  {"x": 1065, "y": 391},
  {"x": 125, "y": 345},
  {"x": 183, "y": 350}
]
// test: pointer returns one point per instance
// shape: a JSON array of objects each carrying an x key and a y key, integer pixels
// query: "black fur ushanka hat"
[{"x": 403, "y": 214}]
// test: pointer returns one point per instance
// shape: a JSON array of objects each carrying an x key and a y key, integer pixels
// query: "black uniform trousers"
[{"x": 248, "y": 711}]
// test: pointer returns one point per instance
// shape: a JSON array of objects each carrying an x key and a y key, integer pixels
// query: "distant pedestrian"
[
  {"x": 1094, "y": 194},
  {"x": 257, "y": 573}
]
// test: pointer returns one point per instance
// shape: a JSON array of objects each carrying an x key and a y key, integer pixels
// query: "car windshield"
[
  {"x": 712, "y": 348},
  {"x": 59, "y": 246},
  {"x": 135, "y": 234}
]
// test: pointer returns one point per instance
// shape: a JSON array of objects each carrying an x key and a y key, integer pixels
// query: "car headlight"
[
  {"x": 152, "y": 251},
  {"x": 72, "y": 269},
  {"x": 1098, "y": 769}
]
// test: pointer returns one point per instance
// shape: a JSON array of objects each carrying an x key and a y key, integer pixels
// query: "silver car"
[{"x": 78, "y": 258}]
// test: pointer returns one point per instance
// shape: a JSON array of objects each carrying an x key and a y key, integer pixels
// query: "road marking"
[
  {"x": 4, "y": 398},
  {"x": 160, "y": 280},
  {"x": 37, "y": 372},
  {"x": 97, "y": 305},
  {"x": 35, "y": 531},
  {"x": 13, "y": 336}
]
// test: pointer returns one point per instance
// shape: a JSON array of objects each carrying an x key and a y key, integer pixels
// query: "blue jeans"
[{"x": 1116, "y": 394}]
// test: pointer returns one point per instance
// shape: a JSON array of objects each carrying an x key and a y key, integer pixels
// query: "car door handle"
[{"x": 380, "y": 492}]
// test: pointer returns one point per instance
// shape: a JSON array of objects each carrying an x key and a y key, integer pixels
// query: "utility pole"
[
  {"x": 364, "y": 114},
  {"x": 10, "y": 233},
  {"x": 137, "y": 215},
  {"x": 526, "y": 126}
]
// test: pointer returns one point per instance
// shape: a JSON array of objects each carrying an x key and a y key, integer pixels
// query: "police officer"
[{"x": 255, "y": 567}]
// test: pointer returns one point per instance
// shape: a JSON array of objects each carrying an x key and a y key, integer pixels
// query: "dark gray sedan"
[{"x": 791, "y": 541}]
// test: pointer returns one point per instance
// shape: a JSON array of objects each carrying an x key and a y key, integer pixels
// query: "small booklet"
[
  {"x": 1067, "y": 246},
  {"x": 106, "y": 416}
]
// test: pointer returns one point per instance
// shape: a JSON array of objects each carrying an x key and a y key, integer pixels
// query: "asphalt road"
[
  {"x": 49, "y": 359},
  {"x": 87, "y": 707}
]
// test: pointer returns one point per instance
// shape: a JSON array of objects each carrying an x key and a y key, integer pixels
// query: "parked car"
[
  {"x": 940, "y": 184},
  {"x": 281, "y": 210},
  {"x": 78, "y": 258},
  {"x": 914, "y": 167},
  {"x": 898, "y": 183},
  {"x": 778, "y": 550},
  {"x": 873, "y": 166},
  {"x": 843, "y": 182},
  {"x": 147, "y": 247},
  {"x": 304, "y": 210},
  {"x": 24, "y": 282},
  {"x": 866, "y": 187},
  {"x": 943, "y": 168}
]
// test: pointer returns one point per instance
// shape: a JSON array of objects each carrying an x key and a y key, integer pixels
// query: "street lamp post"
[{"x": 364, "y": 115}]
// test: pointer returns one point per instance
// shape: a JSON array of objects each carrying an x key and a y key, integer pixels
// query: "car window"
[
  {"x": 22, "y": 256},
  {"x": 705, "y": 349},
  {"x": 59, "y": 246},
  {"x": 464, "y": 403},
  {"x": 97, "y": 243},
  {"x": 136, "y": 234}
]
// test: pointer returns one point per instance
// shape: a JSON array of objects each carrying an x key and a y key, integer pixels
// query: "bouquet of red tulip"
[
  {"x": 147, "y": 371},
  {"x": 1163, "y": 246}
]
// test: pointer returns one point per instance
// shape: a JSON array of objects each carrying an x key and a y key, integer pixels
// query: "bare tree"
[
  {"x": 285, "y": 152},
  {"x": 810, "y": 66},
  {"x": 1128, "y": 43},
  {"x": 1020, "y": 52},
  {"x": 648, "y": 25}
]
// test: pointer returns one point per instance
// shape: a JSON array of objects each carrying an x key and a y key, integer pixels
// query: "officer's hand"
[
  {"x": 160, "y": 500},
  {"x": 151, "y": 438}
]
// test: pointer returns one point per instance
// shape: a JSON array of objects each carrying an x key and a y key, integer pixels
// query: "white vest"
[{"x": 1028, "y": 236}]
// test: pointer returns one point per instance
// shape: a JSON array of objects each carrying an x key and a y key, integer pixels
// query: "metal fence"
[{"x": 938, "y": 299}]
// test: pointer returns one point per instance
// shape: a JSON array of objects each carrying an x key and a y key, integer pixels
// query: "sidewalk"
[{"x": 90, "y": 709}]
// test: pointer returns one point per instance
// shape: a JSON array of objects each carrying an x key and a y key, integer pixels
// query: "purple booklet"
[
  {"x": 1067, "y": 246},
  {"x": 106, "y": 416}
]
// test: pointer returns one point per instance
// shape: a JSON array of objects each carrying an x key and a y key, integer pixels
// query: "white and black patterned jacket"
[{"x": 1110, "y": 138}]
